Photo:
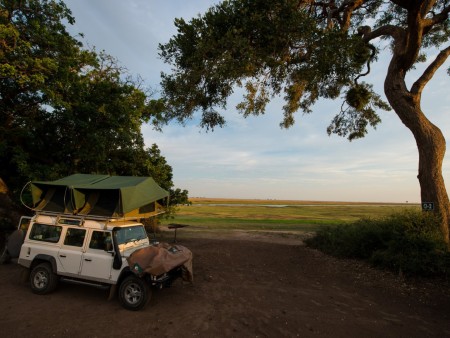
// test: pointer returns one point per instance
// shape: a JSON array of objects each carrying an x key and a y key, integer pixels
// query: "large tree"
[
  {"x": 65, "y": 109},
  {"x": 307, "y": 50},
  {"x": 37, "y": 57}
]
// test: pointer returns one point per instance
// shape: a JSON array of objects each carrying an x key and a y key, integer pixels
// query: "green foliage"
[
  {"x": 304, "y": 50},
  {"x": 179, "y": 197},
  {"x": 272, "y": 47},
  {"x": 64, "y": 109},
  {"x": 36, "y": 57},
  {"x": 409, "y": 242},
  {"x": 361, "y": 111},
  {"x": 394, "y": 14},
  {"x": 358, "y": 97}
]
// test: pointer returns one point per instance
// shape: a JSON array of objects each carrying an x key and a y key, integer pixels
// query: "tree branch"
[
  {"x": 427, "y": 75},
  {"x": 416, "y": 22},
  {"x": 368, "y": 63},
  {"x": 348, "y": 11},
  {"x": 341, "y": 14},
  {"x": 388, "y": 30},
  {"x": 406, "y": 4},
  {"x": 438, "y": 18}
]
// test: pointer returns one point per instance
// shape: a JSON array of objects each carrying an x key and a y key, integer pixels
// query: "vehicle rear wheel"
[
  {"x": 134, "y": 293},
  {"x": 42, "y": 279}
]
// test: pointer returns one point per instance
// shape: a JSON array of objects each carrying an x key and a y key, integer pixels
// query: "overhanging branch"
[
  {"x": 438, "y": 18},
  {"x": 347, "y": 8},
  {"x": 406, "y": 4},
  {"x": 388, "y": 30},
  {"x": 372, "y": 55},
  {"x": 427, "y": 75}
]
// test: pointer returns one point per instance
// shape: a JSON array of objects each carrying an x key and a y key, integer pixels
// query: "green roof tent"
[{"x": 99, "y": 195}]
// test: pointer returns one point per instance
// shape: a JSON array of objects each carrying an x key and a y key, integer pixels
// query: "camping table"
[{"x": 176, "y": 226}]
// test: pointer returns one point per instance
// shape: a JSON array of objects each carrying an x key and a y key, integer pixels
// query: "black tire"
[
  {"x": 42, "y": 279},
  {"x": 134, "y": 293}
]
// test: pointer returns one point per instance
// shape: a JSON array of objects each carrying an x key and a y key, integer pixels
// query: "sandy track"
[{"x": 254, "y": 286}]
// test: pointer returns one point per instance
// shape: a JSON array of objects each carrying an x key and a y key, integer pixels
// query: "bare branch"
[
  {"x": 388, "y": 30},
  {"x": 348, "y": 11},
  {"x": 372, "y": 55},
  {"x": 438, "y": 18},
  {"x": 330, "y": 12},
  {"x": 418, "y": 86},
  {"x": 407, "y": 4}
]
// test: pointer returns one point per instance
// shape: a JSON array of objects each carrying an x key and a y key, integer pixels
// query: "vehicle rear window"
[{"x": 45, "y": 233}]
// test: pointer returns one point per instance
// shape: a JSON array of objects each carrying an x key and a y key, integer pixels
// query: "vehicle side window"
[
  {"x": 24, "y": 223},
  {"x": 75, "y": 237},
  {"x": 101, "y": 240},
  {"x": 45, "y": 233}
]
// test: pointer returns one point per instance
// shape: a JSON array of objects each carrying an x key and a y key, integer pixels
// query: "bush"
[{"x": 409, "y": 242}]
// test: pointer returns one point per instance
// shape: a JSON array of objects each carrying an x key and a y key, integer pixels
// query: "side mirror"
[
  {"x": 109, "y": 247},
  {"x": 117, "y": 262}
]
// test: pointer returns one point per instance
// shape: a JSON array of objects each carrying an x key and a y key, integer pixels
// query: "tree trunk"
[{"x": 430, "y": 143}]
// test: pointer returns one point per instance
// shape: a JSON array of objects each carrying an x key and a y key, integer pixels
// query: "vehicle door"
[
  {"x": 71, "y": 250},
  {"x": 98, "y": 258}
]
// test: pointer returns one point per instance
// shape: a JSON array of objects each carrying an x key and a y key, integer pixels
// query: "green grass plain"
[{"x": 276, "y": 215}]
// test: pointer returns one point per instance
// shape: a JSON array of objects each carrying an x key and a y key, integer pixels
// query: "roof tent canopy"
[{"x": 99, "y": 195}]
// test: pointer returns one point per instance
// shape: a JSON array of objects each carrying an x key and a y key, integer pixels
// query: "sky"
[{"x": 253, "y": 158}]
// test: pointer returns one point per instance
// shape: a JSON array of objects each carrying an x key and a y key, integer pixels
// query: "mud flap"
[
  {"x": 112, "y": 292},
  {"x": 25, "y": 275}
]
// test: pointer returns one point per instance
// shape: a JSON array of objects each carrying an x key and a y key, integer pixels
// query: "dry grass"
[{"x": 276, "y": 215}]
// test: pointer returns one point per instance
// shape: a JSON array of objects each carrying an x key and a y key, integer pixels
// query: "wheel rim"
[
  {"x": 133, "y": 294},
  {"x": 40, "y": 280}
]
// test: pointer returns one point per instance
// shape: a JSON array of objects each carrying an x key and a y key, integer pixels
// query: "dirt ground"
[{"x": 244, "y": 286}]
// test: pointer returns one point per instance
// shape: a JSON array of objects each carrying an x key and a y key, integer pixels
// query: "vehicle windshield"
[{"x": 130, "y": 234}]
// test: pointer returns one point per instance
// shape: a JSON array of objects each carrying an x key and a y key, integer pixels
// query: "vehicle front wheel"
[
  {"x": 134, "y": 293},
  {"x": 42, "y": 279}
]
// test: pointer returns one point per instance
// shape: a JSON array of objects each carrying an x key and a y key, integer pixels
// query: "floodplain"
[{"x": 276, "y": 215}]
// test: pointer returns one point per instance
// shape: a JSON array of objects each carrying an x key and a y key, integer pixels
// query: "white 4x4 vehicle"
[
  {"x": 98, "y": 252},
  {"x": 86, "y": 230}
]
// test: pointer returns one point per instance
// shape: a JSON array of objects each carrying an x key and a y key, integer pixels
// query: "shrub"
[{"x": 410, "y": 242}]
